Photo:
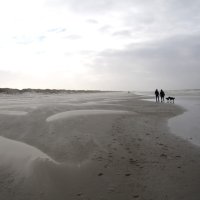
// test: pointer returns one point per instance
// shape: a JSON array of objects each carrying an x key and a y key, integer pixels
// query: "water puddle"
[{"x": 187, "y": 125}]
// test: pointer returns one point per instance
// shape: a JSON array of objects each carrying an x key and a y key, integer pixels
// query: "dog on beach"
[{"x": 170, "y": 99}]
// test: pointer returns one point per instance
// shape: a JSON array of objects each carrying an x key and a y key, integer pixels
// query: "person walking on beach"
[
  {"x": 157, "y": 95},
  {"x": 162, "y": 95}
]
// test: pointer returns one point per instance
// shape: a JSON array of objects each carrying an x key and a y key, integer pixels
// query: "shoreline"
[
  {"x": 101, "y": 156},
  {"x": 187, "y": 125}
]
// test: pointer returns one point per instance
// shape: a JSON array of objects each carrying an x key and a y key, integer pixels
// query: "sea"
[{"x": 186, "y": 125}]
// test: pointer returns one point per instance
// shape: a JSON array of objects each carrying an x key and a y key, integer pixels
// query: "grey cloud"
[
  {"x": 53, "y": 30},
  {"x": 144, "y": 10},
  {"x": 99, "y": 7},
  {"x": 165, "y": 17},
  {"x": 184, "y": 8},
  {"x": 87, "y": 53},
  {"x": 172, "y": 63},
  {"x": 92, "y": 21},
  {"x": 57, "y": 30},
  {"x": 23, "y": 39},
  {"x": 172, "y": 56},
  {"x": 73, "y": 37},
  {"x": 85, "y": 6},
  {"x": 106, "y": 28},
  {"x": 123, "y": 33},
  {"x": 40, "y": 52},
  {"x": 182, "y": 15},
  {"x": 42, "y": 38}
]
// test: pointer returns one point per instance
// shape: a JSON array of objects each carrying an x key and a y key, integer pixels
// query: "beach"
[{"x": 98, "y": 146}]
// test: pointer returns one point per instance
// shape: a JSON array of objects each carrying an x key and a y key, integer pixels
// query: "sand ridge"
[{"x": 76, "y": 113}]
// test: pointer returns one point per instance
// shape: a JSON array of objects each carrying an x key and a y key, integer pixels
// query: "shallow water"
[{"x": 187, "y": 125}]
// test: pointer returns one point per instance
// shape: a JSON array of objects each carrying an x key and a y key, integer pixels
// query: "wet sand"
[{"x": 93, "y": 147}]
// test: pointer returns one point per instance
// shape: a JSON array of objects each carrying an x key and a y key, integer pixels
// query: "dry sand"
[{"x": 106, "y": 146}]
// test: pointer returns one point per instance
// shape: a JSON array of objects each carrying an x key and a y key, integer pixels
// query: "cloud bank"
[{"x": 110, "y": 45}]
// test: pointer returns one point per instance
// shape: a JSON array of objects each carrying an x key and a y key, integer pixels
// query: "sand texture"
[{"x": 104, "y": 146}]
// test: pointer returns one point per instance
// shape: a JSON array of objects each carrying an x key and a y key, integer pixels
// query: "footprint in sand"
[
  {"x": 99, "y": 158},
  {"x": 163, "y": 155},
  {"x": 131, "y": 161},
  {"x": 79, "y": 194}
]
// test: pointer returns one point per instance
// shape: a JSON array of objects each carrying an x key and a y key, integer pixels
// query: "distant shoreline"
[{"x": 45, "y": 91}]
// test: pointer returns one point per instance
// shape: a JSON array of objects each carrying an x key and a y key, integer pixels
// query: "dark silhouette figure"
[
  {"x": 170, "y": 99},
  {"x": 162, "y": 95},
  {"x": 157, "y": 95}
]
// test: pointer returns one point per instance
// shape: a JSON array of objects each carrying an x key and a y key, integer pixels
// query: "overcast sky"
[{"x": 106, "y": 45}]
